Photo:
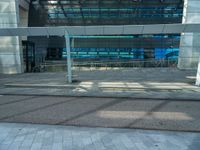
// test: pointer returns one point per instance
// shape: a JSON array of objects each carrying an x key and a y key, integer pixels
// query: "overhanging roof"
[{"x": 101, "y": 30}]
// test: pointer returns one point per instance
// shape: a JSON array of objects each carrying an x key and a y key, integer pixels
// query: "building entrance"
[{"x": 28, "y": 55}]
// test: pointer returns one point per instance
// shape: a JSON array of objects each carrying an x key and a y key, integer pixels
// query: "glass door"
[{"x": 28, "y": 55}]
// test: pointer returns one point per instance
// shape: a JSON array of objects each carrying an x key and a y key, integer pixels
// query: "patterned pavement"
[{"x": 49, "y": 137}]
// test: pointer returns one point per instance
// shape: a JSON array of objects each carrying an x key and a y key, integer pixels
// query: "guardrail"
[
  {"x": 61, "y": 66},
  {"x": 148, "y": 63}
]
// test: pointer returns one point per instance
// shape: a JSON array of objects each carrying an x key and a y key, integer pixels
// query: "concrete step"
[{"x": 102, "y": 87}]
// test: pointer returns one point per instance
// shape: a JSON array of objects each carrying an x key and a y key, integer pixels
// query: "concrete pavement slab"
[{"x": 69, "y": 137}]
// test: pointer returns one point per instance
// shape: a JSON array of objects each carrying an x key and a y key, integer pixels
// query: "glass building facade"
[
  {"x": 104, "y": 12},
  {"x": 111, "y": 12}
]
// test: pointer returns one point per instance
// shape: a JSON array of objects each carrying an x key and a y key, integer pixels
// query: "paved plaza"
[
  {"x": 47, "y": 137},
  {"x": 138, "y": 109},
  {"x": 156, "y": 83},
  {"x": 176, "y": 115}
]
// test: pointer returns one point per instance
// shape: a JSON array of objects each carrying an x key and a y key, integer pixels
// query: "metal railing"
[
  {"x": 79, "y": 65},
  {"x": 140, "y": 64}
]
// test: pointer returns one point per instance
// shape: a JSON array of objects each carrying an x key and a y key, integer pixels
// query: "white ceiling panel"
[
  {"x": 133, "y": 29},
  {"x": 153, "y": 29},
  {"x": 19, "y": 31},
  {"x": 59, "y": 31},
  {"x": 173, "y": 28},
  {"x": 92, "y": 30},
  {"x": 192, "y": 28},
  {"x": 37, "y": 31},
  {"x": 76, "y": 30},
  {"x": 4, "y": 32},
  {"x": 113, "y": 30},
  {"x": 100, "y": 30}
]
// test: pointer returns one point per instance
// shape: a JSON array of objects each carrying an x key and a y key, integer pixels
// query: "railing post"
[
  {"x": 69, "y": 67},
  {"x": 198, "y": 74}
]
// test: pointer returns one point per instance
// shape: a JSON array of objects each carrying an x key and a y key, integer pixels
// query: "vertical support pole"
[
  {"x": 69, "y": 68},
  {"x": 198, "y": 74}
]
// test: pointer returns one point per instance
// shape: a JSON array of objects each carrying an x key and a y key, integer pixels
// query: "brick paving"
[{"x": 47, "y": 137}]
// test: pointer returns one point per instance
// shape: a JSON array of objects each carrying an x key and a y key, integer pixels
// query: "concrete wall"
[
  {"x": 10, "y": 48},
  {"x": 13, "y": 13},
  {"x": 190, "y": 45},
  {"x": 23, "y": 15},
  {"x": 198, "y": 75}
]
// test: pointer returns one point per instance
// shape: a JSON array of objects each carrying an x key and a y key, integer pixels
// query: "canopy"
[{"x": 101, "y": 30}]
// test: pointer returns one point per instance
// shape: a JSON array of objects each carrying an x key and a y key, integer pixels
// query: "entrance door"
[{"x": 28, "y": 55}]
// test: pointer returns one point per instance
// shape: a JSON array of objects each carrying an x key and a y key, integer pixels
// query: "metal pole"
[
  {"x": 69, "y": 68},
  {"x": 198, "y": 74}
]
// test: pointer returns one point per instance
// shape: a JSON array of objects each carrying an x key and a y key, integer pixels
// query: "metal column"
[
  {"x": 69, "y": 67},
  {"x": 198, "y": 74}
]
